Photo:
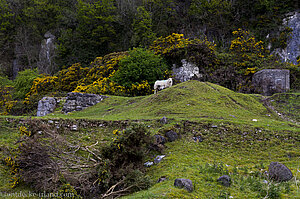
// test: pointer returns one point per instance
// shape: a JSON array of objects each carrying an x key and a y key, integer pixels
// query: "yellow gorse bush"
[
  {"x": 116, "y": 138},
  {"x": 41, "y": 85},
  {"x": 250, "y": 71},
  {"x": 6, "y": 101},
  {"x": 24, "y": 131},
  {"x": 14, "y": 170},
  {"x": 98, "y": 79},
  {"x": 164, "y": 45},
  {"x": 141, "y": 89},
  {"x": 68, "y": 78},
  {"x": 245, "y": 45}
]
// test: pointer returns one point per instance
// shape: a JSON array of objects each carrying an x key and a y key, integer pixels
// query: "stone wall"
[
  {"x": 270, "y": 81},
  {"x": 80, "y": 101},
  {"x": 46, "y": 106}
]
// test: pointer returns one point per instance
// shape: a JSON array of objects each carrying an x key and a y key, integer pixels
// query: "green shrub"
[
  {"x": 4, "y": 81},
  {"x": 124, "y": 158},
  {"x": 128, "y": 146},
  {"x": 295, "y": 77},
  {"x": 139, "y": 66},
  {"x": 23, "y": 82}
]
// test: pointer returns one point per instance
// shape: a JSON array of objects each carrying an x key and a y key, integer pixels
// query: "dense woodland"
[
  {"x": 224, "y": 38},
  {"x": 87, "y": 29}
]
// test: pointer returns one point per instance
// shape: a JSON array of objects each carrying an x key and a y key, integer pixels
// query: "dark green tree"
[
  {"x": 94, "y": 34},
  {"x": 142, "y": 27},
  {"x": 7, "y": 27},
  {"x": 213, "y": 17}
]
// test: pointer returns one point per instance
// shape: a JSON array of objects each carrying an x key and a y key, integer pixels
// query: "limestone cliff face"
[
  {"x": 46, "y": 62},
  {"x": 292, "y": 51},
  {"x": 293, "y": 44}
]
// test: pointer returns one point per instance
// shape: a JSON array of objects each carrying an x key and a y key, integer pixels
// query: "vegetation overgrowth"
[
  {"x": 119, "y": 49},
  {"x": 88, "y": 29}
]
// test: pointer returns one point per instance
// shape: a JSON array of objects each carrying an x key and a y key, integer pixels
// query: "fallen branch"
[{"x": 91, "y": 152}]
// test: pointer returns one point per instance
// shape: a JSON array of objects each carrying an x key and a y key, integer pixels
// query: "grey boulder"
[
  {"x": 279, "y": 172},
  {"x": 184, "y": 183},
  {"x": 225, "y": 180}
]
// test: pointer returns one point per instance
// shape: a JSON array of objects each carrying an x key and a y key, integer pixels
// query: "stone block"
[
  {"x": 46, "y": 105},
  {"x": 270, "y": 81}
]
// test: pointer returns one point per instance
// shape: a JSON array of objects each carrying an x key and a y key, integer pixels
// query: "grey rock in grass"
[
  {"x": 158, "y": 143},
  {"x": 158, "y": 159},
  {"x": 171, "y": 136},
  {"x": 225, "y": 180},
  {"x": 164, "y": 120},
  {"x": 279, "y": 172},
  {"x": 184, "y": 183},
  {"x": 45, "y": 106},
  {"x": 74, "y": 127},
  {"x": 148, "y": 164}
]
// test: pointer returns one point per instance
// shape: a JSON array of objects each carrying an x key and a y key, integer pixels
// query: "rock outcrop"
[
  {"x": 46, "y": 62},
  {"x": 80, "y": 101},
  {"x": 225, "y": 180},
  {"x": 293, "y": 43},
  {"x": 171, "y": 136},
  {"x": 292, "y": 50}
]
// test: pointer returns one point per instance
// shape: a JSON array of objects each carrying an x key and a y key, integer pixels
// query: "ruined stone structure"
[
  {"x": 270, "y": 81},
  {"x": 186, "y": 72},
  {"x": 80, "y": 101},
  {"x": 46, "y": 106}
]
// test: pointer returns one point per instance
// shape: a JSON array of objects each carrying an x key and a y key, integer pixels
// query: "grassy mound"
[{"x": 192, "y": 100}]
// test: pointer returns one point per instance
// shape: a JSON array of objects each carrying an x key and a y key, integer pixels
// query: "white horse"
[{"x": 161, "y": 84}]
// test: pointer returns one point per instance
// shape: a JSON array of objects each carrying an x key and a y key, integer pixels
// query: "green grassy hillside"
[
  {"x": 233, "y": 142},
  {"x": 192, "y": 100},
  {"x": 287, "y": 105}
]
